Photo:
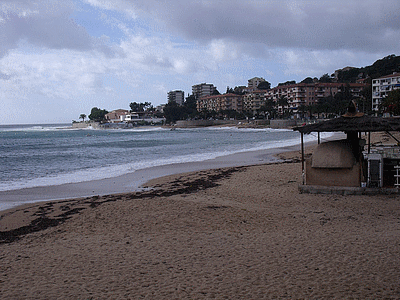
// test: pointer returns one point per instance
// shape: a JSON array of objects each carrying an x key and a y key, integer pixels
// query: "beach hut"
[{"x": 350, "y": 165}]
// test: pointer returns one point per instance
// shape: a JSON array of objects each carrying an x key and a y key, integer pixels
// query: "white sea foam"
[
  {"x": 90, "y": 174},
  {"x": 32, "y": 128}
]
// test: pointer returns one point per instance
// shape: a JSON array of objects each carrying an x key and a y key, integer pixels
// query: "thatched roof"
[{"x": 348, "y": 124}]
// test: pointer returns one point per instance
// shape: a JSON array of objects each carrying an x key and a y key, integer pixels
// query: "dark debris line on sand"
[{"x": 179, "y": 186}]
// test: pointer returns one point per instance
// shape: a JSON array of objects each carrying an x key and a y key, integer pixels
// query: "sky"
[{"x": 59, "y": 59}]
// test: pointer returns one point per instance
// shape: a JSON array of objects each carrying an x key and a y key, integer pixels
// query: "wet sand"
[
  {"x": 133, "y": 181},
  {"x": 233, "y": 233}
]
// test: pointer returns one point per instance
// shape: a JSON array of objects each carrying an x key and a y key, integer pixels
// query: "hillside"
[{"x": 381, "y": 67}]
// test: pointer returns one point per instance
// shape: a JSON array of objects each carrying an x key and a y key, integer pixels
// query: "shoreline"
[
  {"x": 56, "y": 204},
  {"x": 132, "y": 182}
]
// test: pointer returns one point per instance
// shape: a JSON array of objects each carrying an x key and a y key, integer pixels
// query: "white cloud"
[
  {"x": 222, "y": 50},
  {"x": 53, "y": 74},
  {"x": 116, "y": 5}
]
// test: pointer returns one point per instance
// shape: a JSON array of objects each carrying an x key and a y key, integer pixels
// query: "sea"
[{"x": 54, "y": 154}]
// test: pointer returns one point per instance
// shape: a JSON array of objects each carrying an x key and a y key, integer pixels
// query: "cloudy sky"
[{"x": 60, "y": 58}]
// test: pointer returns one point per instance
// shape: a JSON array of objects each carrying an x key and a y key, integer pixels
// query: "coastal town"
[
  {"x": 199, "y": 149},
  {"x": 312, "y": 98}
]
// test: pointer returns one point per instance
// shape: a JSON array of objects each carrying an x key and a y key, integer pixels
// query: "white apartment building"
[
  {"x": 203, "y": 90},
  {"x": 176, "y": 96},
  {"x": 382, "y": 86}
]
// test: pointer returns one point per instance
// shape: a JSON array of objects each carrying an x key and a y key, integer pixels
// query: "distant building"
[
  {"x": 254, "y": 82},
  {"x": 116, "y": 116},
  {"x": 311, "y": 93},
  {"x": 130, "y": 117},
  {"x": 382, "y": 86},
  {"x": 160, "y": 108},
  {"x": 176, "y": 96},
  {"x": 203, "y": 90},
  {"x": 220, "y": 102},
  {"x": 253, "y": 101}
]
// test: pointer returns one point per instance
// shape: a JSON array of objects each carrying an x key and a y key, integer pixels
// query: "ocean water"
[{"x": 43, "y": 155}]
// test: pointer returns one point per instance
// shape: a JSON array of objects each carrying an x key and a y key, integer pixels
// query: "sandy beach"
[{"x": 241, "y": 232}]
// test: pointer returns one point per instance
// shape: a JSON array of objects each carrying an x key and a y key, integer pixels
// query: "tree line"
[{"x": 330, "y": 106}]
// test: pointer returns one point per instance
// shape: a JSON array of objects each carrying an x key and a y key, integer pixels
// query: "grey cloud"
[
  {"x": 51, "y": 32},
  {"x": 151, "y": 60},
  {"x": 46, "y": 25},
  {"x": 322, "y": 25},
  {"x": 4, "y": 76}
]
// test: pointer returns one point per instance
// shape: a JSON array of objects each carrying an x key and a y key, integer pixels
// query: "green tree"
[
  {"x": 308, "y": 80},
  {"x": 335, "y": 105},
  {"x": 350, "y": 75},
  {"x": 190, "y": 106},
  {"x": 303, "y": 109},
  {"x": 364, "y": 102},
  {"x": 140, "y": 107},
  {"x": 238, "y": 90},
  {"x": 229, "y": 90},
  {"x": 283, "y": 102},
  {"x": 311, "y": 109},
  {"x": 342, "y": 100},
  {"x": 269, "y": 108},
  {"x": 289, "y": 82},
  {"x": 325, "y": 78},
  {"x": 231, "y": 114},
  {"x": 83, "y": 117},
  {"x": 384, "y": 66},
  {"x": 391, "y": 104},
  {"x": 215, "y": 93},
  {"x": 173, "y": 112},
  {"x": 264, "y": 85},
  {"x": 97, "y": 114}
]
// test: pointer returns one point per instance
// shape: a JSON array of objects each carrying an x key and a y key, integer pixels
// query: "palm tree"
[{"x": 83, "y": 117}]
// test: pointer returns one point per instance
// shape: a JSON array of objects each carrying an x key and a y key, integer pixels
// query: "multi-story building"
[
  {"x": 220, "y": 103},
  {"x": 176, "y": 96},
  {"x": 253, "y": 83},
  {"x": 311, "y": 93},
  {"x": 203, "y": 90},
  {"x": 382, "y": 86},
  {"x": 253, "y": 101}
]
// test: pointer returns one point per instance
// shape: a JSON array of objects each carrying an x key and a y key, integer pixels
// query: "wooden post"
[
  {"x": 319, "y": 138},
  {"x": 369, "y": 142},
  {"x": 302, "y": 158}
]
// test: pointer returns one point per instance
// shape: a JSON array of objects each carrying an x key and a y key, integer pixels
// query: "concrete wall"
[
  {"x": 276, "y": 124},
  {"x": 79, "y": 125},
  {"x": 204, "y": 123},
  {"x": 261, "y": 122},
  {"x": 350, "y": 177}
]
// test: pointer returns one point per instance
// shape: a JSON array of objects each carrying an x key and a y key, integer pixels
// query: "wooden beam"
[
  {"x": 369, "y": 142},
  {"x": 398, "y": 142},
  {"x": 302, "y": 158}
]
